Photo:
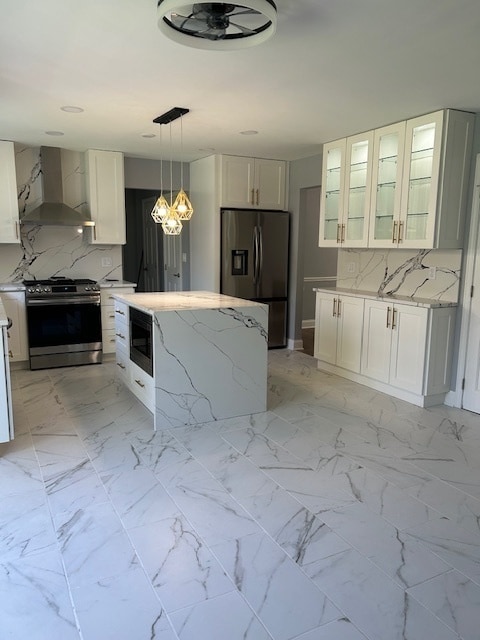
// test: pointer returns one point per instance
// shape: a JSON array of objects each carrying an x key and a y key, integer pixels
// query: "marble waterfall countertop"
[
  {"x": 3, "y": 316},
  {"x": 109, "y": 284},
  {"x": 209, "y": 355},
  {"x": 183, "y": 301},
  {"x": 12, "y": 286},
  {"x": 371, "y": 295}
]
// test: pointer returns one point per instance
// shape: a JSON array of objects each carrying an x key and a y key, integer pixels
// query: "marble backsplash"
[
  {"x": 46, "y": 251},
  {"x": 402, "y": 272}
]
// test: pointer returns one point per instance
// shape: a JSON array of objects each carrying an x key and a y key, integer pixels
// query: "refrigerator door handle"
[
  {"x": 260, "y": 252},
  {"x": 255, "y": 255}
]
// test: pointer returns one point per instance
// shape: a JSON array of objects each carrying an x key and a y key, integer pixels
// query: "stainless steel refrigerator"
[{"x": 254, "y": 263}]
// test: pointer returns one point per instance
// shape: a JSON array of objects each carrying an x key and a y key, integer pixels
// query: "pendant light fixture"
[
  {"x": 171, "y": 215},
  {"x": 160, "y": 209},
  {"x": 182, "y": 204}
]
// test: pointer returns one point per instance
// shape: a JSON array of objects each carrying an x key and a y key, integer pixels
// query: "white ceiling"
[{"x": 333, "y": 68}]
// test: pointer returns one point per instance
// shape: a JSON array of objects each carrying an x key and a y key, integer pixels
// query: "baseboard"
[
  {"x": 308, "y": 324},
  {"x": 295, "y": 345}
]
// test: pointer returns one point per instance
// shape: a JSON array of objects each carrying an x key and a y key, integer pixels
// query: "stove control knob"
[{"x": 45, "y": 289}]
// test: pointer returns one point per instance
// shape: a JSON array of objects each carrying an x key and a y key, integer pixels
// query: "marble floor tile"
[
  {"x": 338, "y": 514},
  {"x": 455, "y": 600}
]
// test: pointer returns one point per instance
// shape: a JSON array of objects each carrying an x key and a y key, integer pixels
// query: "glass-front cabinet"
[
  {"x": 333, "y": 181},
  {"x": 345, "y": 198},
  {"x": 354, "y": 230},
  {"x": 423, "y": 148},
  {"x": 387, "y": 171}
]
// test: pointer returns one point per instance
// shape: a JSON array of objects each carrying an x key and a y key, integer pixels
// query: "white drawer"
[
  {"x": 121, "y": 310},
  {"x": 122, "y": 365},
  {"x": 108, "y": 317},
  {"x": 109, "y": 340},
  {"x": 121, "y": 335},
  {"x": 142, "y": 386}
]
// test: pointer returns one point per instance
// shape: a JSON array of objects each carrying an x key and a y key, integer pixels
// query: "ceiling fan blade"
[{"x": 241, "y": 28}]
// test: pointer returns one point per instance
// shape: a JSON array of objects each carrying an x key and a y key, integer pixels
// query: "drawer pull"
[
  {"x": 10, "y": 354},
  {"x": 119, "y": 364},
  {"x": 112, "y": 340},
  {"x": 119, "y": 311},
  {"x": 120, "y": 335},
  {"x": 111, "y": 315},
  {"x": 140, "y": 383}
]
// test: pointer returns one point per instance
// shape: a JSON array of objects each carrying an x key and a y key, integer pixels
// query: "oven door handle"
[{"x": 46, "y": 302}]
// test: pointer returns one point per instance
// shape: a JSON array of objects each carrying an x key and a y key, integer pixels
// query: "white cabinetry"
[
  {"x": 253, "y": 183},
  {"x": 9, "y": 225},
  {"x": 338, "y": 330},
  {"x": 414, "y": 196},
  {"x": 106, "y": 195},
  {"x": 108, "y": 316},
  {"x": 14, "y": 305},
  {"x": 345, "y": 202},
  {"x": 142, "y": 385},
  {"x": 398, "y": 348},
  {"x": 6, "y": 415},
  {"x": 394, "y": 344}
]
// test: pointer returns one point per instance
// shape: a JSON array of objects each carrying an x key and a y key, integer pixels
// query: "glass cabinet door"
[
  {"x": 420, "y": 182},
  {"x": 387, "y": 170},
  {"x": 332, "y": 192},
  {"x": 357, "y": 190}
]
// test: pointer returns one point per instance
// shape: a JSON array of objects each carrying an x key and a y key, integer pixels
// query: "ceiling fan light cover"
[{"x": 217, "y": 25}]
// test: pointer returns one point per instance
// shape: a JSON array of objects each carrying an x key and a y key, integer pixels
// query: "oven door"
[{"x": 64, "y": 332}]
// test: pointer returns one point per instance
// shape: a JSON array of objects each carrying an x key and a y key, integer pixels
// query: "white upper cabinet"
[
  {"x": 386, "y": 193},
  {"x": 345, "y": 202},
  {"x": 415, "y": 193},
  {"x": 435, "y": 180},
  {"x": 9, "y": 224},
  {"x": 106, "y": 195},
  {"x": 253, "y": 183}
]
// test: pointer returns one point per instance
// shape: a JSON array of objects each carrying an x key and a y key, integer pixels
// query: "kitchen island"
[{"x": 209, "y": 355}]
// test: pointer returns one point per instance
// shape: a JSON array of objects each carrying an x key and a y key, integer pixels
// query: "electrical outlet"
[
  {"x": 106, "y": 262},
  {"x": 351, "y": 267},
  {"x": 184, "y": 257},
  {"x": 432, "y": 273}
]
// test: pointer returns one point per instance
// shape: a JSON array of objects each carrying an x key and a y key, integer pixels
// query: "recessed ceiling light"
[
  {"x": 71, "y": 109},
  {"x": 54, "y": 133},
  {"x": 148, "y": 135},
  {"x": 249, "y": 132}
]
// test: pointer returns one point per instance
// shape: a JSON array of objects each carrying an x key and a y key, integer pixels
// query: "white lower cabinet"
[
  {"x": 338, "y": 330},
  {"x": 6, "y": 415},
  {"x": 395, "y": 344},
  {"x": 108, "y": 316},
  {"x": 14, "y": 305},
  {"x": 403, "y": 350},
  {"x": 142, "y": 385}
]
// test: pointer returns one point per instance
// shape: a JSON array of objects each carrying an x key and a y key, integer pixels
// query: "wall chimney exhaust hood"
[{"x": 53, "y": 211}]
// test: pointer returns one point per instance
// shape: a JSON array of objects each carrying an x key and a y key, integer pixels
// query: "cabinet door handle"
[
  {"x": 394, "y": 319},
  {"x": 140, "y": 383},
  {"x": 10, "y": 354},
  {"x": 253, "y": 194},
  {"x": 94, "y": 232},
  {"x": 394, "y": 234},
  {"x": 119, "y": 364},
  {"x": 339, "y": 307},
  {"x": 400, "y": 232},
  {"x": 334, "y": 312},
  {"x": 8, "y": 334},
  {"x": 343, "y": 234},
  {"x": 257, "y": 197},
  {"x": 112, "y": 340},
  {"x": 388, "y": 317},
  {"x": 111, "y": 315},
  {"x": 17, "y": 225},
  {"x": 119, "y": 311},
  {"x": 120, "y": 335},
  {"x": 338, "y": 234}
]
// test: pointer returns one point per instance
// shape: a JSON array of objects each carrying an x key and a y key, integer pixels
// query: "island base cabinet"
[
  {"x": 6, "y": 414},
  {"x": 142, "y": 385}
]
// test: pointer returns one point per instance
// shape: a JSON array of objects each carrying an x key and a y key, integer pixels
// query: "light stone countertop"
[
  {"x": 108, "y": 284},
  {"x": 371, "y": 295},
  {"x": 3, "y": 316},
  {"x": 183, "y": 301},
  {"x": 12, "y": 286}
]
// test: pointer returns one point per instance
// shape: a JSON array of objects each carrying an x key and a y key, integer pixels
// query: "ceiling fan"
[{"x": 217, "y": 25}]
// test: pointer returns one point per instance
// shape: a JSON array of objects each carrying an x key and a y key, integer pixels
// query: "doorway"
[
  {"x": 153, "y": 261},
  {"x": 471, "y": 322}
]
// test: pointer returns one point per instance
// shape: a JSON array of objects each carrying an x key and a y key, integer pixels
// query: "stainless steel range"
[{"x": 64, "y": 322}]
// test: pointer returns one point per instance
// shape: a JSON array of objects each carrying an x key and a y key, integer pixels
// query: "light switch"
[{"x": 106, "y": 262}]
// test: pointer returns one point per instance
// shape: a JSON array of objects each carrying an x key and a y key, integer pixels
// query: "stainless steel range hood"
[{"x": 53, "y": 210}]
